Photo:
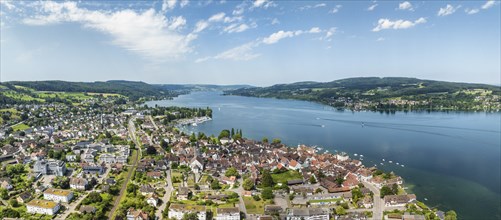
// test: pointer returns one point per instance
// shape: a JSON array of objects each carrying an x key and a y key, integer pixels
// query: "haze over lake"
[{"x": 451, "y": 159}]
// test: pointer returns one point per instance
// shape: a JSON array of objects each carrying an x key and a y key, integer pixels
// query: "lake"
[{"x": 452, "y": 160}]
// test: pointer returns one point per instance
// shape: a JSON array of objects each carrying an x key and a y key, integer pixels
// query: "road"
[
  {"x": 166, "y": 197},
  {"x": 132, "y": 134},
  {"x": 240, "y": 192},
  {"x": 72, "y": 206},
  {"x": 377, "y": 210},
  {"x": 153, "y": 122}
]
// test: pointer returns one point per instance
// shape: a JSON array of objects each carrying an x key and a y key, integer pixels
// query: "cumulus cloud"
[
  {"x": 335, "y": 9},
  {"x": 147, "y": 33},
  {"x": 385, "y": 23},
  {"x": 200, "y": 26},
  {"x": 217, "y": 17},
  {"x": 485, "y": 6},
  {"x": 263, "y": 4},
  {"x": 448, "y": 10},
  {"x": 275, "y": 37},
  {"x": 488, "y": 4},
  {"x": 184, "y": 3},
  {"x": 372, "y": 7},
  {"x": 405, "y": 6},
  {"x": 168, "y": 5}
]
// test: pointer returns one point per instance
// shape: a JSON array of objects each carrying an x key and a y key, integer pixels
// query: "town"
[{"x": 103, "y": 159}]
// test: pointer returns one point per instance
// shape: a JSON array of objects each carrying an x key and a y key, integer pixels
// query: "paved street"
[
  {"x": 378, "y": 208},
  {"x": 240, "y": 191},
  {"x": 166, "y": 198}
]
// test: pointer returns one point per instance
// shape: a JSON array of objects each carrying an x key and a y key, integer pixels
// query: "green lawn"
[
  {"x": 286, "y": 176},
  {"x": 179, "y": 175},
  {"x": 253, "y": 206},
  {"x": 20, "y": 127}
]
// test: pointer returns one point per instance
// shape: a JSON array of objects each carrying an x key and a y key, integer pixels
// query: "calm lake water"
[{"x": 451, "y": 159}]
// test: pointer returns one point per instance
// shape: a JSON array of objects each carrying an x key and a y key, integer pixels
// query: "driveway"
[{"x": 377, "y": 210}]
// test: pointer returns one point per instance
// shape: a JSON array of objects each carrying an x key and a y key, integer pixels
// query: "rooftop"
[
  {"x": 59, "y": 192},
  {"x": 187, "y": 208},
  {"x": 42, "y": 203}
]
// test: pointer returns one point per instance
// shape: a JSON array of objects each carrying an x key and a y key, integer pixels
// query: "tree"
[
  {"x": 276, "y": 141},
  {"x": 215, "y": 184},
  {"x": 164, "y": 144},
  {"x": 4, "y": 194},
  {"x": 193, "y": 138},
  {"x": 340, "y": 210},
  {"x": 248, "y": 184},
  {"x": 450, "y": 215},
  {"x": 224, "y": 134},
  {"x": 385, "y": 190},
  {"x": 266, "y": 179},
  {"x": 232, "y": 132},
  {"x": 232, "y": 171},
  {"x": 190, "y": 216},
  {"x": 151, "y": 150},
  {"x": 265, "y": 140},
  {"x": 267, "y": 193},
  {"x": 313, "y": 180},
  {"x": 339, "y": 181}
]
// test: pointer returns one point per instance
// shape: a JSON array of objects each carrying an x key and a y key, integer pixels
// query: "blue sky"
[{"x": 259, "y": 42}]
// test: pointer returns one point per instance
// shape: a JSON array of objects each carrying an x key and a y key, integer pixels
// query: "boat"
[
  {"x": 323, "y": 126},
  {"x": 363, "y": 124},
  {"x": 382, "y": 163},
  {"x": 391, "y": 161},
  {"x": 194, "y": 124},
  {"x": 402, "y": 165},
  {"x": 426, "y": 199},
  {"x": 361, "y": 155},
  {"x": 383, "y": 159},
  {"x": 355, "y": 155},
  {"x": 397, "y": 163}
]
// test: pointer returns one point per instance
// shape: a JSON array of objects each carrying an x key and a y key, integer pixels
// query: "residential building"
[
  {"x": 133, "y": 214},
  {"x": 44, "y": 207},
  {"x": 58, "y": 195},
  {"x": 308, "y": 214},
  {"x": 399, "y": 200},
  {"x": 177, "y": 211},
  {"x": 78, "y": 183},
  {"x": 228, "y": 214},
  {"x": 50, "y": 167}
]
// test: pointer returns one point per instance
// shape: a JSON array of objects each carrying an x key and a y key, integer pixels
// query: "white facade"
[
  {"x": 50, "y": 209},
  {"x": 178, "y": 214},
  {"x": 58, "y": 197},
  {"x": 228, "y": 216}
]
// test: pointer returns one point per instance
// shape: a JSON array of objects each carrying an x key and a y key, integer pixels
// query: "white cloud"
[
  {"x": 200, "y": 26},
  {"x": 177, "y": 23},
  {"x": 385, "y": 23},
  {"x": 372, "y": 7},
  {"x": 217, "y": 17},
  {"x": 471, "y": 11},
  {"x": 448, "y": 10},
  {"x": 147, "y": 33},
  {"x": 8, "y": 4},
  {"x": 329, "y": 33},
  {"x": 184, "y": 3},
  {"x": 315, "y": 30},
  {"x": 245, "y": 52},
  {"x": 235, "y": 28},
  {"x": 168, "y": 5},
  {"x": 263, "y": 4},
  {"x": 275, "y": 21},
  {"x": 306, "y": 7},
  {"x": 239, "y": 10},
  {"x": 335, "y": 9},
  {"x": 488, "y": 4},
  {"x": 275, "y": 37},
  {"x": 405, "y": 6},
  {"x": 380, "y": 39}
]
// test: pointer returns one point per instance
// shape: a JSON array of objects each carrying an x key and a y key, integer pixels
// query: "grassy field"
[
  {"x": 179, "y": 175},
  {"x": 103, "y": 94},
  {"x": 286, "y": 176},
  {"x": 20, "y": 127},
  {"x": 63, "y": 95},
  {"x": 21, "y": 96},
  {"x": 253, "y": 206}
]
